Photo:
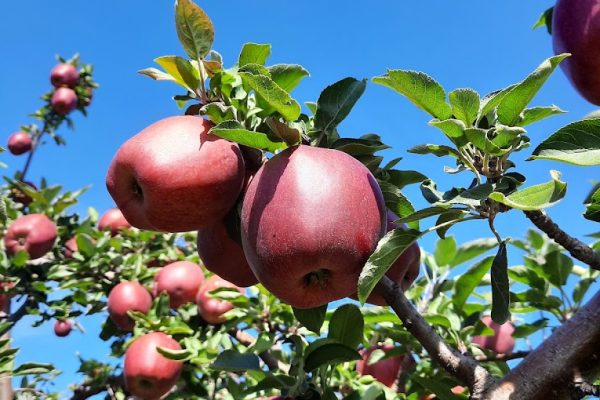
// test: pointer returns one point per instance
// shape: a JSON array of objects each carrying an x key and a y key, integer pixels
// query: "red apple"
[
  {"x": 62, "y": 328},
  {"x": 19, "y": 196},
  {"x": 576, "y": 30},
  {"x": 212, "y": 309},
  {"x": 5, "y": 297},
  {"x": 127, "y": 296},
  {"x": 502, "y": 341},
  {"x": 64, "y": 100},
  {"x": 70, "y": 247},
  {"x": 148, "y": 374},
  {"x": 224, "y": 256},
  {"x": 385, "y": 370},
  {"x": 114, "y": 220},
  {"x": 19, "y": 143},
  {"x": 174, "y": 176},
  {"x": 310, "y": 220},
  {"x": 33, "y": 233},
  {"x": 406, "y": 268},
  {"x": 64, "y": 75},
  {"x": 181, "y": 280}
]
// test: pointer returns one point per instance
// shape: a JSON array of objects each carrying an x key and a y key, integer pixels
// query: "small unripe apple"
[
  {"x": 64, "y": 75},
  {"x": 209, "y": 308},
  {"x": 33, "y": 233},
  {"x": 148, "y": 374},
  {"x": 113, "y": 220},
  {"x": 181, "y": 280},
  {"x": 62, "y": 328},
  {"x": 174, "y": 176},
  {"x": 311, "y": 218},
  {"x": 19, "y": 196},
  {"x": 386, "y": 370},
  {"x": 19, "y": 143},
  {"x": 224, "y": 256},
  {"x": 124, "y": 297},
  {"x": 501, "y": 341},
  {"x": 64, "y": 100}
]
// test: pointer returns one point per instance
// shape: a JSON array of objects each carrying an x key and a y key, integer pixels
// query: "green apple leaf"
[
  {"x": 234, "y": 131},
  {"x": 422, "y": 214},
  {"x": 194, "y": 29},
  {"x": 179, "y": 355},
  {"x": 311, "y": 318},
  {"x": 288, "y": 76},
  {"x": 535, "y": 114},
  {"x": 388, "y": 250},
  {"x": 545, "y": 20},
  {"x": 329, "y": 353},
  {"x": 420, "y": 89},
  {"x": 274, "y": 96},
  {"x": 336, "y": 102},
  {"x": 288, "y": 134},
  {"x": 232, "y": 360},
  {"x": 557, "y": 268},
  {"x": 593, "y": 206},
  {"x": 435, "y": 149},
  {"x": 466, "y": 283},
  {"x": 535, "y": 197},
  {"x": 397, "y": 202},
  {"x": 473, "y": 249},
  {"x": 577, "y": 143},
  {"x": 347, "y": 325},
  {"x": 491, "y": 100},
  {"x": 254, "y": 53},
  {"x": 184, "y": 73},
  {"x": 32, "y": 369},
  {"x": 445, "y": 250},
  {"x": 500, "y": 286},
  {"x": 156, "y": 74},
  {"x": 454, "y": 129},
  {"x": 516, "y": 100},
  {"x": 465, "y": 105},
  {"x": 436, "y": 386}
]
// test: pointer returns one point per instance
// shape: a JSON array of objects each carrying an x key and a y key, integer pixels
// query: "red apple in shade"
[
  {"x": 19, "y": 143},
  {"x": 174, "y": 176},
  {"x": 33, "y": 233},
  {"x": 148, "y": 374},
  {"x": 64, "y": 74},
  {"x": 181, "y": 280},
  {"x": 70, "y": 247},
  {"x": 64, "y": 100},
  {"x": 62, "y": 328},
  {"x": 211, "y": 309},
  {"x": 454, "y": 390},
  {"x": 19, "y": 196},
  {"x": 127, "y": 296},
  {"x": 224, "y": 256},
  {"x": 385, "y": 370},
  {"x": 114, "y": 220},
  {"x": 576, "y": 30},
  {"x": 5, "y": 297},
  {"x": 406, "y": 268},
  {"x": 501, "y": 341},
  {"x": 310, "y": 220}
]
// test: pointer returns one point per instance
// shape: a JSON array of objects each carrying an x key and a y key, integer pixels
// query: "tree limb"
[
  {"x": 575, "y": 247},
  {"x": 458, "y": 365},
  {"x": 502, "y": 357},
  {"x": 269, "y": 359},
  {"x": 84, "y": 391}
]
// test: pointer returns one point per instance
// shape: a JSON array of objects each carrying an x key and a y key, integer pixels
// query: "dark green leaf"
[
  {"x": 329, "y": 353},
  {"x": 528, "y": 329},
  {"x": 311, "y": 318},
  {"x": 234, "y": 131},
  {"x": 401, "y": 178},
  {"x": 397, "y": 202},
  {"x": 452, "y": 215},
  {"x": 435, "y": 149},
  {"x": 420, "y": 89},
  {"x": 577, "y": 143},
  {"x": 581, "y": 289},
  {"x": 291, "y": 136},
  {"x": 500, "y": 286},
  {"x": 467, "y": 282},
  {"x": 194, "y": 29},
  {"x": 254, "y": 53},
  {"x": 535, "y": 197},
  {"x": 545, "y": 20},
  {"x": 358, "y": 146},
  {"x": 33, "y": 369},
  {"x": 85, "y": 245},
  {"x": 232, "y": 360},
  {"x": 441, "y": 390},
  {"x": 336, "y": 102},
  {"x": 558, "y": 267},
  {"x": 347, "y": 325},
  {"x": 424, "y": 213}
]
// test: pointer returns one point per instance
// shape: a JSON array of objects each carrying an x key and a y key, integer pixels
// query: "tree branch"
[
  {"x": 575, "y": 247},
  {"x": 83, "y": 391},
  {"x": 269, "y": 359},
  {"x": 503, "y": 357},
  {"x": 458, "y": 365},
  {"x": 17, "y": 315}
]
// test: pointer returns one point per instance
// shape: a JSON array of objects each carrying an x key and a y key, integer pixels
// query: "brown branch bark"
[
  {"x": 461, "y": 366},
  {"x": 575, "y": 247},
  {"x": 269, "y": 359},
  {"x": 502, "y": 357},
  {"x": 551, "y": 370},
  {"x": 84, "y": 392},
  {"x": 6, "y": 390}
]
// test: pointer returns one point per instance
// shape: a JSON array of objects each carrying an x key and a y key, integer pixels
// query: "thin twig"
[
  {"x": 503, "y": 357},
  {"x": 269, "y": 359}
]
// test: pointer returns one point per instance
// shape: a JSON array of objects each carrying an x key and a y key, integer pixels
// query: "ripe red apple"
[
  {"x": 114, "y": 220},
  {"x": 19, "y": 196},
  {"x": 224, "y": 256},
  {"x": 502, "y": 341},
  {"x": 181, "y": 280},
  {"x": 386, "y": 370},
  {"x": 175, "y": 177},
  {"x": 406, "y": 268},
  {"x": 576, "y": 30},
  {"x": 5, "y": 297},
  {"x": 124, "y": 297},
  {"x": 70, "y": 247},
  {"x": 148, "y": 374},
  {"x": 34, "y": 233},
  {"x": 310, "y": 220},
  {"x": 62, "y": 328},
  {"x": 64, "y": 75},
  {"x": 64, "y": 100},
  {"x": 19, "y": 143},
  {"x": 212, "y": 309}
]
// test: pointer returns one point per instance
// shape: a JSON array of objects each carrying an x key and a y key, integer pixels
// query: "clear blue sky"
[{"x": 470, "y": 43}]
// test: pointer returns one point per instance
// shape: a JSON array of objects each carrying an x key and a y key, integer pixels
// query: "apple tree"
[{"x": 256, "y": 252}]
